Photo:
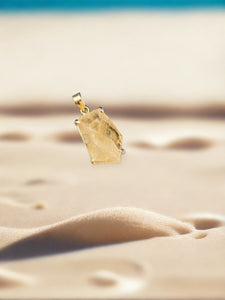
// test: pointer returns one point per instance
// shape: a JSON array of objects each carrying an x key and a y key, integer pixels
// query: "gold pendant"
[{"x": 101, "y": 137}]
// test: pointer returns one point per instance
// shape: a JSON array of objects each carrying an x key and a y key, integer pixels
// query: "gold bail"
[{"x": 79, "y": 102}]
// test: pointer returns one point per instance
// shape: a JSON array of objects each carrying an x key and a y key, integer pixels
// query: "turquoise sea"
[{"x": 68, "y": 5}]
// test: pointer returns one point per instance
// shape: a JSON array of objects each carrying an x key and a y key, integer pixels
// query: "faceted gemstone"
[{"x": 101, "y": 137}]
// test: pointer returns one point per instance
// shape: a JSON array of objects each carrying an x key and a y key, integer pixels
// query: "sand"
[{"x": 150, "y": 227}]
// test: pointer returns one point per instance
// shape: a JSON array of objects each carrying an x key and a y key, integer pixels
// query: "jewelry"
[{"x": 99, "y": 134}]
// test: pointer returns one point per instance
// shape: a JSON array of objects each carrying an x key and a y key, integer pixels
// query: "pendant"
[{"x": 101, "y": 137}]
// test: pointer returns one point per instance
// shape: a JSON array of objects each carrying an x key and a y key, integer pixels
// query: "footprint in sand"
[
  {"x": 108, "y": 276},
  {"x": 12, "y": 279},
  {"x": 107, "y": 226},
  {"x": 114, "y": 275},
  {"x": 68, "y": 137},
  {"x": 6, "y": 201},
  {"x": 200, "y": 235},
  {"x": 36, "y": 181},
  {"x": 189, "y": 143},
  {"x": 204, "y": 221},
  {"x": 10, "y": 202},
  {"x": 144, "y": 145},
  {"x": 14, "y": 137}
]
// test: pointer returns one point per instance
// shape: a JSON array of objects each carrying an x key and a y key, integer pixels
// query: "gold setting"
[{"x": 101, "y": 137}]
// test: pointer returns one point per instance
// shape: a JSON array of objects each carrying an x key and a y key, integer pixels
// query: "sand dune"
[
  {"x": 182, "y": 247},
  {"x": 107, "y": 226},
  {"x": 101, "y": 227},
  {"x": 101, "y": 275},
  {"x": 11, "y": 235}
]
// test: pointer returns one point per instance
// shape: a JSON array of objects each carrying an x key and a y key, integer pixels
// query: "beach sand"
[{"x": 152, "y": 226}]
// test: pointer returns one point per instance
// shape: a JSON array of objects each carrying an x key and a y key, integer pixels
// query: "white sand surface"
[{"x": 166, "y": 240}]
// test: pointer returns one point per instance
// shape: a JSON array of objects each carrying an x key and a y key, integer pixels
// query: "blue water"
[{"x": 67, "y": 5}]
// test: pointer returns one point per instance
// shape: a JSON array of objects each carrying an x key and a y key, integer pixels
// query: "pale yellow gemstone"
[{"x": 101, "y": 137}]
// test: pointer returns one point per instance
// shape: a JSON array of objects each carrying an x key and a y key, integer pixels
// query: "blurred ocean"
[
  {"x": 158, "y": 51},
  {"x": 8, "y": 5}
]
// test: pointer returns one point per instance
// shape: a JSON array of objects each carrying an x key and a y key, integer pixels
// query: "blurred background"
[
  {"x": 137, "y": 59},
  {"x": 169, "y": 52}
]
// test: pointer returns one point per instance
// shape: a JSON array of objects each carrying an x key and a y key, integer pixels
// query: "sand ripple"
[
  {"x": 107, "y": 226},
  {"x": 101, "y": 227}
]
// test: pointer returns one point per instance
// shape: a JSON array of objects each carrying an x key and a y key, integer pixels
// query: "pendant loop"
[
  {"x": 79, "y": 102},
  {"x": 85, "y": 111}
]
